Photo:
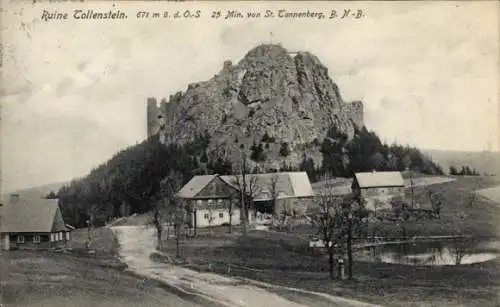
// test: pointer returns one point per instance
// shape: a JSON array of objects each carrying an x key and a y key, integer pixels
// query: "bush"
[{"x": 284, "y": 149}]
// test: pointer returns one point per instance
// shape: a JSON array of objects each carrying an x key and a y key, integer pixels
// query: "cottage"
[
  {"x": 32, "y": 224},
  {"x": 378, "y": 188},
  {"x": 215, "y": 200},
  {"x": 210, "y": 201}
]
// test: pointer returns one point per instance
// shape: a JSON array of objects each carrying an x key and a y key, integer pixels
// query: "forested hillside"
[{"x": 133, "y": 175}]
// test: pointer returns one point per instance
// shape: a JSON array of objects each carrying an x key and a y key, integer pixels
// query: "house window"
[
  {"x": 206, "y": 216},
  {"x": 36, "y": 239},
  {"x": 210, "y": 201},
  {"x": 67, "y": 236},
  {"x": 221, "y": 214},
  {"x": 20, "y": 239},
  {"x": 199, "y": 202},
  {"x": 220, "y": 201}
]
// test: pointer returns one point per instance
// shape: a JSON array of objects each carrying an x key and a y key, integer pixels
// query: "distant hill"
[
  {"x": 36, "y": 192},
  {"x": 483, "y": 162}
]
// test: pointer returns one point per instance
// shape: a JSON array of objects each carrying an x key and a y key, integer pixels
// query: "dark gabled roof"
[{"x": 31, "y": 215}]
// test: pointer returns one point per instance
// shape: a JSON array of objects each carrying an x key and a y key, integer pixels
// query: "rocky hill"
[
  {"x": 270, "y": 95},
  {"x": 283, "y": 111}
]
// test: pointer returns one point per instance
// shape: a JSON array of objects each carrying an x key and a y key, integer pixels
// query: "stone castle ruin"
[{"x": 287, "y": 95}]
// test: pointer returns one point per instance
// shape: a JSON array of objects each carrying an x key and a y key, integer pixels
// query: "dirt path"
[
  {"x": 493, "y": 193},
  {"x": 137, "y": 243}
]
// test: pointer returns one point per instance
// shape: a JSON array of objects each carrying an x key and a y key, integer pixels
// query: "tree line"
[
  {"x": 464, "y": 170},
  {"x": 364, "y": 152}
]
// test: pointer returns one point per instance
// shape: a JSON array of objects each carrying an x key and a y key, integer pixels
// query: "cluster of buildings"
[{"x": 213, "y": 200}]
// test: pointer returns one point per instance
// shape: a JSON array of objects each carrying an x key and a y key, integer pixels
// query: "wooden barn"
[
  {"x": 378, "y": 188},
  {"x": 32, "y": 224}
]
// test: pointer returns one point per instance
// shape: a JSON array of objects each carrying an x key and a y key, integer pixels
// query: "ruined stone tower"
[{"x": 153, "y": 116}]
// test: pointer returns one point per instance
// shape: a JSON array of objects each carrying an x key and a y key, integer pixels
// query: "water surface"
[{"x": 433, "y": 253}]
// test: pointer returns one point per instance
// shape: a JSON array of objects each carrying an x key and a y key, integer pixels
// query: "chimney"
[{"x": 14, "y": 197}]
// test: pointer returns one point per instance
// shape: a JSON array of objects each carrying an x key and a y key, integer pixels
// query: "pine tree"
[{"x": 284, "y": 150}]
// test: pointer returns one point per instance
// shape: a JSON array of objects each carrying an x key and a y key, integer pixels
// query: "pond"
[{"x": 432, "y": 253}]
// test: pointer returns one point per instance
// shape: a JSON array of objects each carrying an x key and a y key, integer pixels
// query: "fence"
[{"x": 232, "y": 269}]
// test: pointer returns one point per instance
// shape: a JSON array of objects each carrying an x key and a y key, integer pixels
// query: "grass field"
[
  {"x": 103, "y": 241},
  {"x": 60, "y": 280},
  {"x": 458, "y": 215},
  {"x": 283, "y": 258},
  {"x": 30, "y": 278}
]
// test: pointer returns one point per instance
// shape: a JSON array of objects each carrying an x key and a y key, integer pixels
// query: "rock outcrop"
[{"x": 291, "y": 99}]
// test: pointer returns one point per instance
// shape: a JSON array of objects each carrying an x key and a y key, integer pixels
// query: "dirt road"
[{"x": 137, "y": 243}]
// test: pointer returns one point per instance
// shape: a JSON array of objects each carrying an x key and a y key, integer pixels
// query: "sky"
[{"x": 74, "y": 91}]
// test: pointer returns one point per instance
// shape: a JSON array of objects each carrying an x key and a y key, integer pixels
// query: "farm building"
[
  {"x": 210, "y": 201},
  {"x": 211, "y": 198},
  {"x": 378, "y": 188},
  {"x": 277, "y": 193},
  {"x": 32, "y": 224}
]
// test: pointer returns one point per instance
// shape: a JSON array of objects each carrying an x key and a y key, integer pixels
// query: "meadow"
[{"x": 283, "y": 258}]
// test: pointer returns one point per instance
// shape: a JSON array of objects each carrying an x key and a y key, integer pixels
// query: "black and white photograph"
[{"x": 249, "y": 153}]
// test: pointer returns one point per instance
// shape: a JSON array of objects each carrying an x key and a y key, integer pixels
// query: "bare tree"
[
  {"x": 254, "y": 188},
  {"x": 437, "y": 203},
  {"x": 354, "y": 217},
  {"x": 247, "y": 185},
  {"x": 210, "y": 209},
  {"x": 337, "y": 219},
  {"x": 273, "y": 194},
  {"x": 92, "y": 211},
  {"x": 180, "y": 216},
  {"x": 473, "y": 195},
  {"x": 164, "y": 203},
  {"x": 231, "y": 212},
  {"x": 328, "y": 220},
  {"x": 402, "y": 213}
]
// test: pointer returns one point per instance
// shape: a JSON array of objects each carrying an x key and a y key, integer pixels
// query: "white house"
[{"x": 215, "y": 200}]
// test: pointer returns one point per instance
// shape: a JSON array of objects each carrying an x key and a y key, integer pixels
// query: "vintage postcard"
[{"x": 249, "y": 153}]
